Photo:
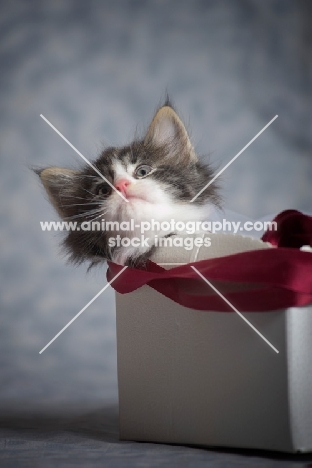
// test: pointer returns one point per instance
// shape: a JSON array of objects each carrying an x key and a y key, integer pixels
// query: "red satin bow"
[
  {"x": 294, "y": 229},
  {"x": 260, "y": 280}
]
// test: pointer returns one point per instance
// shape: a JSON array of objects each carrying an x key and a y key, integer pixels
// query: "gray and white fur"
[{"x": 158, "y": 174}]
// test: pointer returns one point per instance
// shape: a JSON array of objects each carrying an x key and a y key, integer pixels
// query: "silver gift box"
[{"x": 206, "y": 378}]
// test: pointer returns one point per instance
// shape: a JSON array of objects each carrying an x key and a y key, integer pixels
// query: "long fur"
[{"x": 177, "y": 176}]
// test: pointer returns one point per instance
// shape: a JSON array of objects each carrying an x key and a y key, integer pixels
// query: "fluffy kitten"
[{"x": 158, "y": 175}]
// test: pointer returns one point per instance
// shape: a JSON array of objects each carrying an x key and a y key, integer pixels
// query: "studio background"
[{"x": 98, "y": 70}]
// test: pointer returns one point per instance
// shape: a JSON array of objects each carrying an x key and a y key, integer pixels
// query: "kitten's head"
[{"x": 157, "y": 177}]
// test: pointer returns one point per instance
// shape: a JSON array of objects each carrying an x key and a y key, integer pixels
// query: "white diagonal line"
[
  {"x": 83, "y": 157},
  {"x": 82, "y": 310},
  {"x": 232, "y": 160},
  {"x": 235, "y": 310}
]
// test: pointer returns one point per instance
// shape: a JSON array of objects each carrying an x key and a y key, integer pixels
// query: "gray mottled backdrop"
[{"x": 97, "y": 70}]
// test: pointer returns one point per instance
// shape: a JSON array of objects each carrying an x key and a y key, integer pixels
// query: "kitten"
[{"x": 158, "y": 175}]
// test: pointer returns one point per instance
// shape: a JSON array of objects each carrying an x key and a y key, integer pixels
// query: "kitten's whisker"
[
  {"x": 88, "y": 191},
  {"x": 86, "y": 214},
  {"x": 75, "y": 197},
  {"x": 97, "y": 217},
  {"x": 82, "y": 204}
]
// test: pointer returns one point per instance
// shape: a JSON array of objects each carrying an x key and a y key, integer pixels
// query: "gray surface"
[
  {"x": 63, "y": 438},
  {"x": 98, "y": 70}
]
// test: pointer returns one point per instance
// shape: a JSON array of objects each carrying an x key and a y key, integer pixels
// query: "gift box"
[{"x": 192, "y": 371}]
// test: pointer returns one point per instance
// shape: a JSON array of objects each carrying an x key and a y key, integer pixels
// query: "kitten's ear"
[
  {"x": 60, "y": 185},
  {"x": 167, "y": 129}
]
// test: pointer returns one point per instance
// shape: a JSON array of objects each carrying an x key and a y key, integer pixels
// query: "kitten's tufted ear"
[
  {"x": 60, "y": 185},
  {"x": 167, "y": 129}
]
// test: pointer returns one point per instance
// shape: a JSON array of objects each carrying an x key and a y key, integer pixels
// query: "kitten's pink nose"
[{"x": 122, "y": 185}]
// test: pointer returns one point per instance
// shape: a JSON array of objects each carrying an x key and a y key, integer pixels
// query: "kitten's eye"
[
  {"x": 103, "y": 189},
  {"x": 143, "y": 171}
]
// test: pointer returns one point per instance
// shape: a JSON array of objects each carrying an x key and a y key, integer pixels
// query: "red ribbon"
[
  {"x": 294, "y": 229},
  {"x": 259, "y": 280}
]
